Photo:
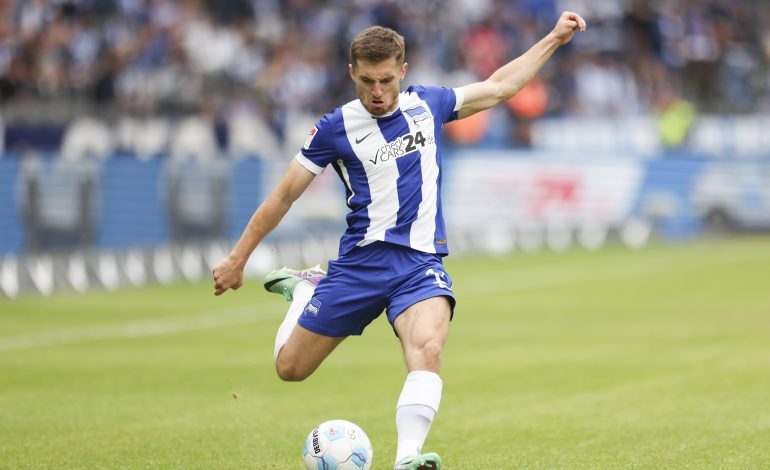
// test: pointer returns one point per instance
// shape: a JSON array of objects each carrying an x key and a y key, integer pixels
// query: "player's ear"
[
  {"x": 403, "y": 70},
  {"x": 350, "y": 71}
]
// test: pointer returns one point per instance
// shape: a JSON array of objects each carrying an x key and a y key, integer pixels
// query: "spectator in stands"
[{"x": 61, "y": 59}]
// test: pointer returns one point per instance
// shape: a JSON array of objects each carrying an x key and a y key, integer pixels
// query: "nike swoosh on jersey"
[{"x": 358, "y": 141}]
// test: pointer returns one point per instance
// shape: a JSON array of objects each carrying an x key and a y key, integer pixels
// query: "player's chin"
[{"x": 377, "y": 109}]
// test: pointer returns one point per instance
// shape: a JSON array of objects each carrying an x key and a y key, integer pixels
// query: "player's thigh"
[
  {"x": 423, "y": 329},
  {"x": 304, "y": 352}
]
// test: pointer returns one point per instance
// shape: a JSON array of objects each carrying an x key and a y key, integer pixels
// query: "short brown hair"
[{"x": 375, "y": 44}]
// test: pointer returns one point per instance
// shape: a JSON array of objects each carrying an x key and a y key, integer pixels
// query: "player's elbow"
[
  {"x": 282, "y": 200},
  {"x": 494, "y": 92},
  {"x": 501, "y": 91},
  {"x": 508, "y": 89}
]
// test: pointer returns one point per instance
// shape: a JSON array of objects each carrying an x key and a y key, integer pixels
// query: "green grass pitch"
[{"x": 650, "y": 359}]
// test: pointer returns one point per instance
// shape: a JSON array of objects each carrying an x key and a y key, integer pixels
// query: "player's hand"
[
  {"x": 227, "y": 275},
  {"x": 568, "y": 24}
]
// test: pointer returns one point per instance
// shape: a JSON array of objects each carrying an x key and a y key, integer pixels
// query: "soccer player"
[{"x": 385, "y": 148}]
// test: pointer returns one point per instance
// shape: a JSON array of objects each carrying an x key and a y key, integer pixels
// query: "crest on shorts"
[{"x": 312, "y": 307}]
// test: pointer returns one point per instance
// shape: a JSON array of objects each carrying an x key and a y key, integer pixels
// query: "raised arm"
[
  {"x": 228, "y": 274},
  {"x": 511, "y": 77}
]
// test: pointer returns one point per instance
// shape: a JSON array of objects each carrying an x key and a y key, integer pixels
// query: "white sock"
[
  {"x": 416, "y": 409},
  {"x": 302, "y": 294},
  {"x": 413, "y": 423}
]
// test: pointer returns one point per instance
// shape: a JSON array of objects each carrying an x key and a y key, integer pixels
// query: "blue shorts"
[{"x": 369, "y": 279}]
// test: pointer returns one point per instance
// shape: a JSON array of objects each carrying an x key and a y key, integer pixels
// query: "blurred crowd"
[{"x": 270, "y": 59}]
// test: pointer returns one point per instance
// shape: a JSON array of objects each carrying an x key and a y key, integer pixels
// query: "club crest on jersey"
[
  {"x": 418, "y": 114},
  {"x": 310, "y": 136}
]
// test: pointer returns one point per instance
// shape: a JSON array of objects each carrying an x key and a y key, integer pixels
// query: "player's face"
[{"x": 378, "y": 84}]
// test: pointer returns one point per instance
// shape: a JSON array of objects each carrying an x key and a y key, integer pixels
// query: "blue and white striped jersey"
[{"x": 391, "y": 167}]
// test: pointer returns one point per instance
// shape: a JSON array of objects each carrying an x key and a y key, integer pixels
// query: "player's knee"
[{"x": 288, "y": 371}]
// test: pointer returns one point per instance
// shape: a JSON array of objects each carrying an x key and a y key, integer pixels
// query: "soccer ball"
[{"x": 337, "y": 445}]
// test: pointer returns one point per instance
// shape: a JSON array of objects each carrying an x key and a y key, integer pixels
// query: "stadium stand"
[{"x": 130, "y": 152}]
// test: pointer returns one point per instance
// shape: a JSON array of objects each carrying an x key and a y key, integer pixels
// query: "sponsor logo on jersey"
[
  {"x": 404, "y": 145},
  {"x": 358, "y": 141}
]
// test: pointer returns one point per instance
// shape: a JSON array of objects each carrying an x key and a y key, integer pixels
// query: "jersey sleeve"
[
  {"x": 320, "y": 148},
  {"x": 444, "y": 102}
]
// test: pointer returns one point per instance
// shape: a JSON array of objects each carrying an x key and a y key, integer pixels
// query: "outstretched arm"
[
  {"x": 512, "y": 77},
  {"x": 228, "y": 274}
]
